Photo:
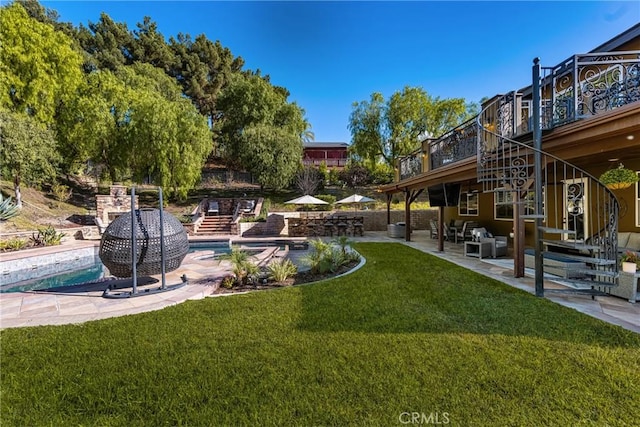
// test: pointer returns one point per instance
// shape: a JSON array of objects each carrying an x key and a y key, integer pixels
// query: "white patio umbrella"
[
  {"x": 356, "y": 200},
  {"x": 307, "y": 200}
]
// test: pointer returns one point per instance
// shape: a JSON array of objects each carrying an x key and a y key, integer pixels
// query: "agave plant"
[{"x": 8, "y": 209}]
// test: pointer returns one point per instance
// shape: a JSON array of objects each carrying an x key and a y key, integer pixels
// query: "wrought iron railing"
[
  {"x": 457, "y": 144},
  {"x": 589, "y": 84},
  {"x": 411, "y": 165},
  {"x": 582, "y": 86},
  {"x": 573, "y": 208}
]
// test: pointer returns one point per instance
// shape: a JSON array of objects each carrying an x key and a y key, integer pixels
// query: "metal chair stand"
[{"x": 144, "y": 241}]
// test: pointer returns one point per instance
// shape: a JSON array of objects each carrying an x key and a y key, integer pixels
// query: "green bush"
[
  {"x": 281, "y": 270},
  {"x": 326, "y": 257},
  {"x": 61, "y": 192},
  {"x": 13, "y": 244},
  {"x": 47, "y": 236},
  {"x": 228, "y": 282},
  {"x": 329, "y": 198},
  {"x": 244, "y": 270}
]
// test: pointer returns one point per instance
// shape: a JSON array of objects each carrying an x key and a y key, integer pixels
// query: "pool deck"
[{"x": 34, "y": 309}]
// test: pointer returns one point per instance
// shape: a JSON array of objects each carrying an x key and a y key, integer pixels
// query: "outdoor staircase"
[
  {"x": 575, "y": 215},
  {"x": 217, "y": 225}
]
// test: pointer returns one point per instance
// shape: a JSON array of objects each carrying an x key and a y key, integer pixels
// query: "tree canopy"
[
  {"x": 39, "y": 69},
  {"x": 28, "y": 151},
  {"x": 136, "y": 123},
  {"x": 384, "y": 130},
  {"x": 260, "y": 130}
]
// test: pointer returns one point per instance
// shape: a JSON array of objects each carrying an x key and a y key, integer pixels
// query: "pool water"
[
  {"x": 93, "y": 273},
  {"x": 90, "y": 274}
]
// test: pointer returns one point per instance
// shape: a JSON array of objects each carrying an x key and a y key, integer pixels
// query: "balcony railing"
[
  {"x": 328, "y": 162},
  {"x": 580, "y": 87},
  {"x": 411, "y": 165},
  {"x": 589, "y": 84},
  {"x": 457, "y": 144}
]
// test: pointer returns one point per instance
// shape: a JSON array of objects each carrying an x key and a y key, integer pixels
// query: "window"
[
  {"x": 504, "y": 204},
  {"x": 468, "y": 205},
  {"x": 638, "y": 201}
]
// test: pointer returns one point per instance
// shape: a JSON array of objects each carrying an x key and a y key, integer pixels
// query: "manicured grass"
[{"x": 406, "y": 333}]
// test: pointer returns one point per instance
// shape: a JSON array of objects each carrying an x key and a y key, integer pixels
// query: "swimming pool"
[
  {"x": 90, "y": 268},
  {"x": 83, "y": 270}
]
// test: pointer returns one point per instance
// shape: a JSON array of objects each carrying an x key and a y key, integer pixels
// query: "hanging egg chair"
[{"x": 116, "y": 244}]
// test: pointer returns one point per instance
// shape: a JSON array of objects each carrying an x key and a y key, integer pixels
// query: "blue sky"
[{"x": 331, "y": 54}]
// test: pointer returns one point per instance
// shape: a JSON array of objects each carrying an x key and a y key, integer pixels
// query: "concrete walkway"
[{"x": 32, "y": 309}]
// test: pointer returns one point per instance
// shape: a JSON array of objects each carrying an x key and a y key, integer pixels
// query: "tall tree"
[
  {"x": 150, "y": 46},
  {"x": 384, "y": 130},
  {"x": 259, "y": 128},
  {"x": 93, "y": 127},
  {"x": 125, "y": 116},
  {"x": 203, "y": 69},
  {"x": 28, "y": 151},
  {"x": 109, "y": 44},
  {"x": 39, "y": 69}
]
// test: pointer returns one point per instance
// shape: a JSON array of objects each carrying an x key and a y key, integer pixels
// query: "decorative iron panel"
[{"x": 457, "y": 144}]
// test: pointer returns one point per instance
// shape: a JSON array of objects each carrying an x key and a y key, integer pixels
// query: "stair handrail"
[
  {"x": 532, "y": 148},
  {"x": 500, "y": 140}
]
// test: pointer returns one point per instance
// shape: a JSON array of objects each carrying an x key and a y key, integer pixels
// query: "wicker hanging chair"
[{"x": 116, "y": 244}]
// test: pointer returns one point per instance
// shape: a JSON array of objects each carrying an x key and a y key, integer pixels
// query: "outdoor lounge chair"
[
  {"x": 213, "y": 209},
  {"x": 499, "y": 244},
  {"x": 435, "y": 230},
  {"x": 465, "y": 232}
]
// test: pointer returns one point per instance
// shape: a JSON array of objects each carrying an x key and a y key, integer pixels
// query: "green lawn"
[{"x": 407, "y": 333}]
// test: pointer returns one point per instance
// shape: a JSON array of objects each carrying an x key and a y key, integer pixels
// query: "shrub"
[
  {"x": 281, "y": 270},
  {"x": 325, "y": 257},
  {"x": 228, "y": 282},
  {"x": 381, "y": 173},
  {"x": 244, "y": 269},
  {"x": 47, "y": 236},
  {"x": 343, "y": 242},
  {"x": 329, "y": 198},
  {"x": 8, "y": 209},
  {"x": 13, "y": 244},
  {"x": 61, "y": 192},
  {"x": 333, "y": 177},
  {"x": 355, "y": 176}
]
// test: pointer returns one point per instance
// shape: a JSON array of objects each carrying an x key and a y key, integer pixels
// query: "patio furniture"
[
  {"x": 248, "y": 205},
  {"x": 628, "y": 286},
  {"x": 342, "y": 226},
  {"x": 465, "y": 233},
  {"x": 358, "y": 226},
  {"x": 481, "y": 249},
  {"x": 499, "y": 244},
  {"x": 329, "y": 227},
  {"x": 116, "y": 244},
  {"x": 435, "y": 230},
  {"x": 556, "y": 263},
  {"x": 214, "y": 208}
]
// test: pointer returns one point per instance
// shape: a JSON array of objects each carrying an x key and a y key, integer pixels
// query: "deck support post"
[{"x": 537, "y": 164}]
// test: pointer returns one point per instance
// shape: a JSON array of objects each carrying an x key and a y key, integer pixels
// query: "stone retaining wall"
[{"x": 277, "y": 223}]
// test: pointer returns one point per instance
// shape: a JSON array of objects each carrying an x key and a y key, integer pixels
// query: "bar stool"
[
  {"x": 358, "y": 228},
  {"x": 342, "y": 227},
  {"x": 328, "y": 227}
]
